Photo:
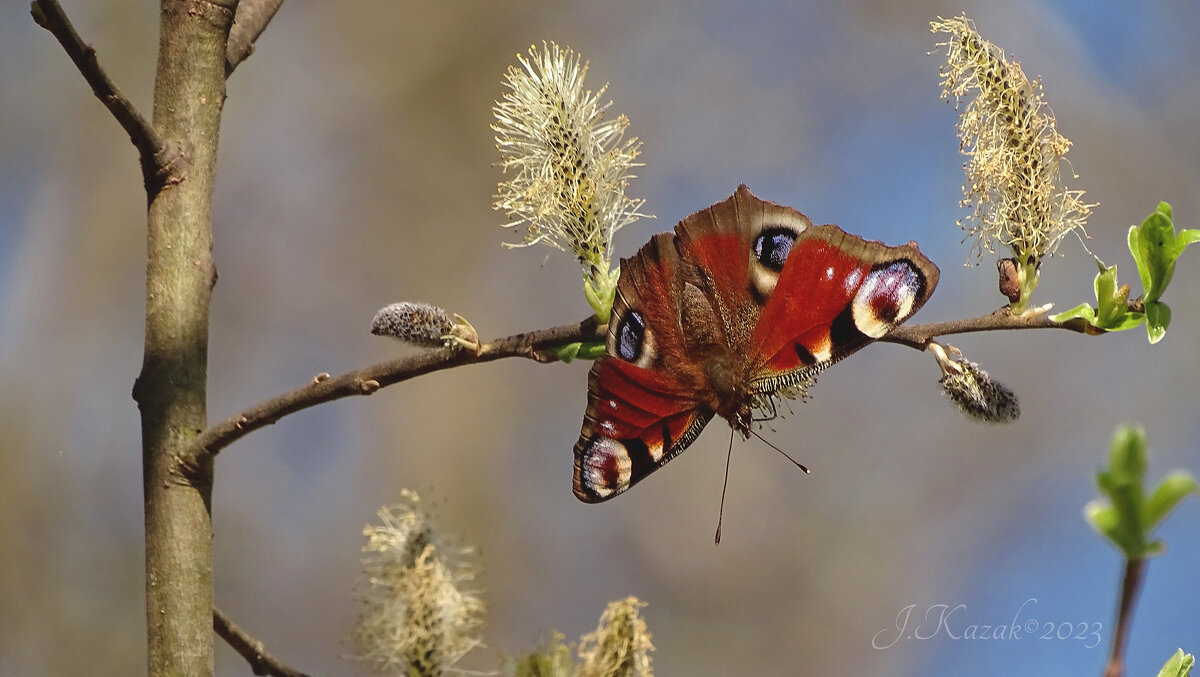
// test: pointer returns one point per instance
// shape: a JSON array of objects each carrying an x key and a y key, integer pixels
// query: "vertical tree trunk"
[{"x": 171, "y": 390}]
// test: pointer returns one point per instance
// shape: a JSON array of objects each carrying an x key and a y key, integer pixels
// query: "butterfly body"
[{"x": 744, "y": 300}]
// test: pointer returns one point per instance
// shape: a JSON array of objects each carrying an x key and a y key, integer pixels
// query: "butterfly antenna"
[
  {"x": 724, "y": 485},
  {"x": 785, "y": 454}
]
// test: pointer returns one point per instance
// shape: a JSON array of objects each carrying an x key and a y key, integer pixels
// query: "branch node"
[
  {"x": 323, "y": 376},
  {"x": 166, "y": 166},
  {"x": 368, "y": 386}
]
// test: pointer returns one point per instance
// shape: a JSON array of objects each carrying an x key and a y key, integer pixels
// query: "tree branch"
[
  {"x": 1130, "y": 585},
  {"x": 161, "y": 162},
  {"x": 171, "y": 390},
  {"x": 261, "y": 662},
  {"x": 919, "y": 336},
  {"x": 249, "y": 22},
  {"x": 324, "y": 388},
  {"x": 533, "y": 345}
]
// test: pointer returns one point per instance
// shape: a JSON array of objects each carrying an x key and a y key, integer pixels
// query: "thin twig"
[
  {"x": 920, "y": 335},
  {"x": 161, "y": 162},
  {"x": 261, "y": 662},
  {"x": 532, "y": 345},
  {"x": 1130, "y": 585},
  {"x": 249, "y": 22}
]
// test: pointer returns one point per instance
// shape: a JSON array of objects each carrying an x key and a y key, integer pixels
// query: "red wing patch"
[
  {"x": 636, "y": 421},
  {"x": 816, "y": 284}
]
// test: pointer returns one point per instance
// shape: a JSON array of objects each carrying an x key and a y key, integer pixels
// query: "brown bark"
[
  {"x": 1131, "y": 583},
  {"x": 189, "y": 92}
]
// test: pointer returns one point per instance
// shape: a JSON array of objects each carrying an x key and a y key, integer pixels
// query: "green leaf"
[
  {"x": 1173, "y": 489},
  {"x": 1128, "y": 518},
  {"x": 1112, "y": 301},
  {"x": 1112, "y": 313},
  {"x": 1103, "y": 518},
  {"x": 1155, "y": 246},
  {"x": 567, "y": 352},
  {"x": 1122, "y": 483},
  {"x": 1135, "y": 248},
  {"x": 1156, "y": 239},
  {"x": 1178, "y": 665},
  {"x": 1082, "y": 310},
  {"x": 1158, "y": 316},
  {"x": 1127, "y": 457},
  {"x": 1185, "y": 238},
  {"x": 1107, "y": 522},
  {"x": 1129, "y": 321},
  {"x": 591, "y": 350},
  {"x": 1120, "y": 521},
  {"x": 1112, "y": 304}
]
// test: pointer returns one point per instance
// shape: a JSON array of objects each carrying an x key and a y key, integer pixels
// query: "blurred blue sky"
[{"x": 356, "y": 170}]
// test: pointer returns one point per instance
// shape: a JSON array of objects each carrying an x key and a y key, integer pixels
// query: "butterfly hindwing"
[
  {"x": 642, "y": 408},
  {"x": 636, "y": 421}
]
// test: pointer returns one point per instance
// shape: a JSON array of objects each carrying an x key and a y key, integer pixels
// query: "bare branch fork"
[
  {"x": 162, "y": 163},
  {"x": 159, "y": 160}
]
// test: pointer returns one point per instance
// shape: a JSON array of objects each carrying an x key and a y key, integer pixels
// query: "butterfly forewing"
[
  {"x": 837, "y": 293},
  {"x": 721, "y": 243}
]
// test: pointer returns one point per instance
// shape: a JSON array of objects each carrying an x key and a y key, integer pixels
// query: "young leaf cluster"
[
  {"x": 1129, "y": 517},
  {"x": 1179, "y": 665},
  {"x": 1155, "y": 247}
]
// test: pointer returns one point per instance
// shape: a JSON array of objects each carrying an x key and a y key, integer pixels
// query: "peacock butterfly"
[{"x": 745, "y": 300}]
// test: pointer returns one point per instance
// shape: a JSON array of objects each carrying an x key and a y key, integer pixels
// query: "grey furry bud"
[
  {"x": 975, "y": 393},
  {"x": 979, "y": 396},
  {"x": 421, "y": 324}
]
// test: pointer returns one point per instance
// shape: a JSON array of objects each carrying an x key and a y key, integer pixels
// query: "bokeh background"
[{"x": 357, "y": 169}]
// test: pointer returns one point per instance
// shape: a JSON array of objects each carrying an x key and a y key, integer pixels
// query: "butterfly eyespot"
[
  {"x": 631, "y": 333},
  {"x": 772, "y": 246},
  {"x": 887, "y": 296},
  {"x": 604, "y": 467}
]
